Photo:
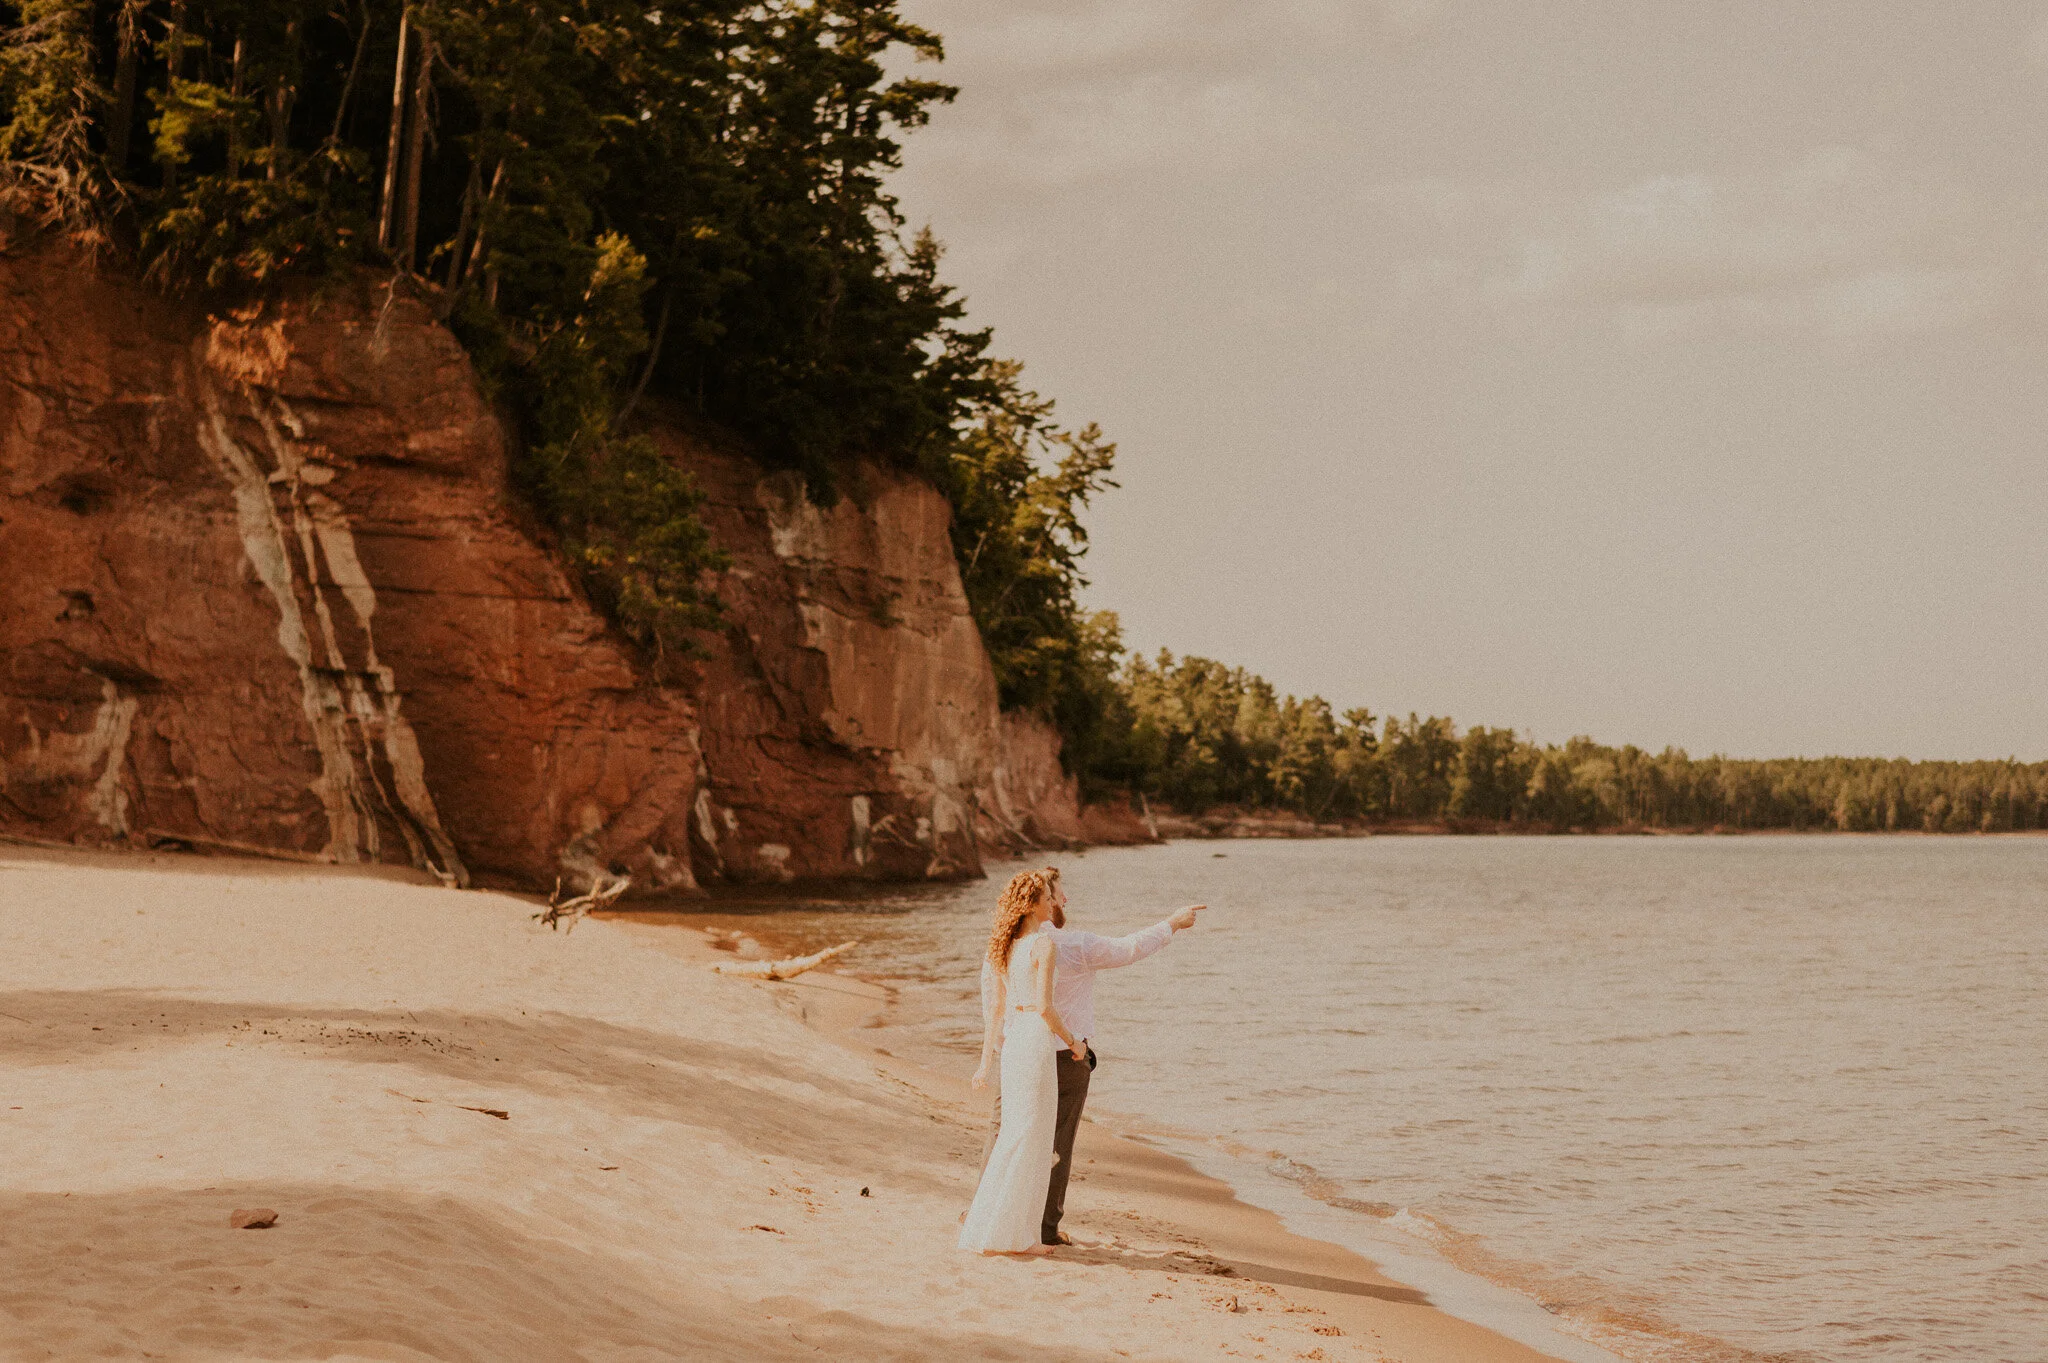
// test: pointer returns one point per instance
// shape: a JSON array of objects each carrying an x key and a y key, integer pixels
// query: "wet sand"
[
  {"x": 1136, "y": 1207},
  {"x": 682, "y": 1168}
]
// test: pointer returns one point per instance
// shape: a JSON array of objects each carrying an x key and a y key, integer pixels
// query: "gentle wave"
[{"x": 1637, "y": 1334}]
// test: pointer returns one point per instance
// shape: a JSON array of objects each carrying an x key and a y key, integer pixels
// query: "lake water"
[{"x": 1701, "y": 1098}]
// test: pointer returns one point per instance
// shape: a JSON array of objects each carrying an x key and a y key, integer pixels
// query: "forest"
[
  {"x": 615, "y": 205},
  {"x": 1197, "y": 734},
  {"x": 619, "y": 205}
]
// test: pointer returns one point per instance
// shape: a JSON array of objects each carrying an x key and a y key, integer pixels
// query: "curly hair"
[{"x": 1025, "y": 889}]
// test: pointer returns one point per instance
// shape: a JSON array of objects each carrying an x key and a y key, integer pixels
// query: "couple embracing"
[{"x": 1038, "y": 1012}]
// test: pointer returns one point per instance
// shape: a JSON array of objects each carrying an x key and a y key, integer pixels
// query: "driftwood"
[
  {"x": 784, "y": 970},
  {"x": 563, "y": 913}
]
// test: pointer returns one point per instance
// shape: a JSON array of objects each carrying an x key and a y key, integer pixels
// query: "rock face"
[
  {"x": 264, "y": 590},
  {"x": 850, "y": 724},
  {"x": 262, "y": 586}
]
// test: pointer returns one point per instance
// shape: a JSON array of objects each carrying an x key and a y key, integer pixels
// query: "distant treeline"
[{"x": 1192, "y": 734}]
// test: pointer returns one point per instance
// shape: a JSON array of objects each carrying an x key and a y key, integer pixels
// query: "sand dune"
[{"x": 679, "y": 1172}]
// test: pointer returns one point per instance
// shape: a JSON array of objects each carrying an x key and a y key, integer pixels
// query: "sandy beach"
[{"x": 487, "y": 1141}]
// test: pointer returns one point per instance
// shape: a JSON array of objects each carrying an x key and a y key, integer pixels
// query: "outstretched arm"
[
  {"x": 1041, "y": 978},
  {"x": 1107, "y": 953},
  {"x": 992, "y": 990}
]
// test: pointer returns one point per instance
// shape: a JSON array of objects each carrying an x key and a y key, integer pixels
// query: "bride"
[{"x": 1020, "y": 1026}]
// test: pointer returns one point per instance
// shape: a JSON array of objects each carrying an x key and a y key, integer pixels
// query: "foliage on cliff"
[
  {"x": 611, "y": 200},
  {"x": 1019, "y": 482},
  {"x": 1202, "y": 734}
]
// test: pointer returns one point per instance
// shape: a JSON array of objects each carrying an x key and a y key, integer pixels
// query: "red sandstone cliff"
[
  {"x": 849, "y": 721},
  {"x": 262, "y": 585}
]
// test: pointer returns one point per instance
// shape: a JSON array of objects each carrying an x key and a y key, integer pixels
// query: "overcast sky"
[{"x": 1665, "y": 370}]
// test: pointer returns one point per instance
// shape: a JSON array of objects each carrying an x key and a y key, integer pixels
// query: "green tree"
[
  {"x": 611, "y": 202},
  {"x": 50, "y": 94},
  {"x": 1421, "y": 758},
  {"x": 1018, "y": 483},
  {"x": 1492, "y": 778}
]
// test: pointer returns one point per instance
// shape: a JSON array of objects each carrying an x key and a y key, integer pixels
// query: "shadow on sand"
[
  {"x": 374, "y": 1274},
  {"x": 741, "y": 1094},
  {"x": 1194, "y": 1264}
]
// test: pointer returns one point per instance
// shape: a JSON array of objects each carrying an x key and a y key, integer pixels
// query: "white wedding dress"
[{"x": 1009, "y": 1206}]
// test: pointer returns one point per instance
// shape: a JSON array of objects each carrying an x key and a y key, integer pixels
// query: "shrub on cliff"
[
  {"x": 1019, "y": 482},
  {"x": 49, "y": 96},
  {"x": 628, "y": 517}
]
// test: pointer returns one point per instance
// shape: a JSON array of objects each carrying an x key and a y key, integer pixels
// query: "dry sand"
[{"x": 679, "y": 1173}]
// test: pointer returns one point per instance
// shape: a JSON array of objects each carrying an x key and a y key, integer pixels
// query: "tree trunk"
[
  {"x": 235, "y": 124},
  {"x": 122, "y": 115},
  {"x": 415, "y": 151},
  {"x": 174, "y": 70},
  {"x": 668, "y": 298},
  {"x": 391, "y": 153},
  {"x": 471, "y": 192},
  {"x": 348, "y": 87},
  {"x": 785, "y": 969},
  {"x": 281, "y": 92},
  {"x": 483, "y": 223},
  {"x": 280, "y": 120}
]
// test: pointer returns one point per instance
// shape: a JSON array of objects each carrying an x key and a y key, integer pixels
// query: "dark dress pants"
[{"x": 1073, "y": 1079}]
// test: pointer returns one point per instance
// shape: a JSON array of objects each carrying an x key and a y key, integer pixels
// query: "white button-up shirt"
[
  {"x": 1080, "y": 954},
  {"x": 1077, "y": 956}
]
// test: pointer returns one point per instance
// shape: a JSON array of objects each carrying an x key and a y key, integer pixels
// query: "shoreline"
[
  {"x": 485, "y": 1140},
  {"x": 1236, "y": 828},
  {"x": 1170, "y": 1195},
  {"x": 1185, "y": 1182},
  {"x": 1544, "y": 1308},
  {"x": 1230, "y": 824}
]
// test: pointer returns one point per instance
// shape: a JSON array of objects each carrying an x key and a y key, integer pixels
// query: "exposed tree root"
[{"x": 563, "y": 913}]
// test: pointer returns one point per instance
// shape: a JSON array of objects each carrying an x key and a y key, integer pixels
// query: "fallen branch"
[
  {"x": 784, "y": 970},
  {"x": 602, "y": 895}
]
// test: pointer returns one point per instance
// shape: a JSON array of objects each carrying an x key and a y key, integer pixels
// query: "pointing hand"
[{"x": 1185, "y": 918}]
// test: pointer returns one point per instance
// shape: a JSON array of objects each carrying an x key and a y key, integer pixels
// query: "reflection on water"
[{"x": 1786, "y": 1093}]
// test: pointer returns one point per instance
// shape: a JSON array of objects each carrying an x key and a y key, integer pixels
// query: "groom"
[{"x": 1077, "y": 956}]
